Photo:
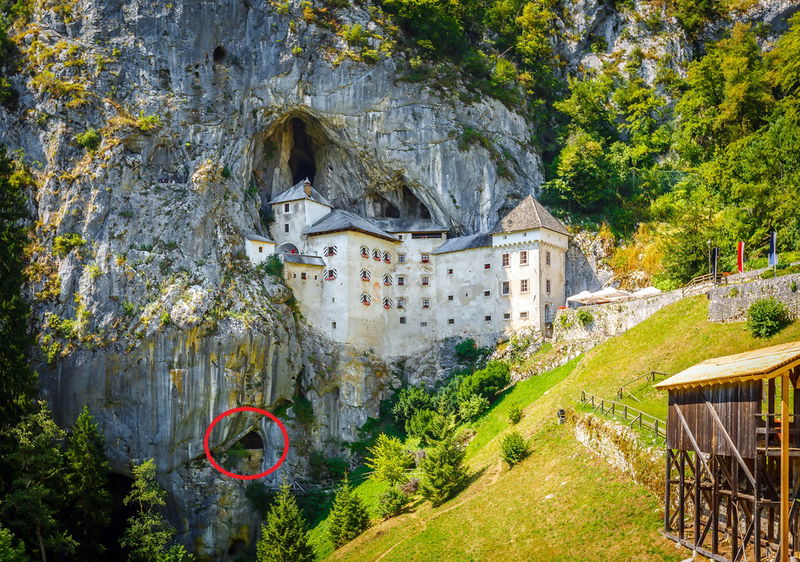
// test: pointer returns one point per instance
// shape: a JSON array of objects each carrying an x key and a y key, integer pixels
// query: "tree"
[
  {"x": 389, "y": 460},
  {"x": 284, "y": 536},
  {"x": 349, "y": 517},
  {"x": 11, "y": 550},
  {"x": 18, "y": 380},
  {"x": 32, "y": 506},
  {"x": 148, "y": 533},
  {"x": 443, "y": 471},
  {"x": 514, "y": 448},
  {"x": 87, "y": 477}
]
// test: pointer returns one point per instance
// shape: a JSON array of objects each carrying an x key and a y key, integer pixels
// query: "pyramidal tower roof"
[
  {"x": 528, "y": 215},
  {"x": 300, "y": 190}
]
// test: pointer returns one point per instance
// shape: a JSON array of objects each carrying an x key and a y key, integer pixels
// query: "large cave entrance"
[
  {"x": 300, "y": 145},
  {"x": 301, "y": 157}
]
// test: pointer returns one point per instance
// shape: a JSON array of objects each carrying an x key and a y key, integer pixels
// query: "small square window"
[
  {"x": 506, "y": 288},
  {"x": 523, "y": 315},
  {"x": 449, "y": 271},
  {"x": 547, "y": 285},
  {"x": 487, "y": 293},
  {"x": 286, "y": 227},
  {"x": 333, "y": 299},
  {"x": 261, "y": 249},
  {"x": 449, "y": 297},
  {"x": 425, "y": 281},
  {"x": 294, "y": 276},
  {"x": 401, "y": 280},
  {"x": 423, "y": 324},
  {"x": 402, "y": 319},
  {"x": 487, "y": 318},
  {"x": 523, "y": 286},
  {"x": 487, "y": 266},
  {"x": 451, "y": 320},
  {"x": 401, "y": 237},
  {"x": 401, "y": 302},
  {"x": 426, "y": 303},
  {"x": 426, "y": 258},
  {"x": 333, "y": 325},
  {"x": 507, "y": 316},
  {"x": 286, "y": 207},
  {"x": 401, "y": 258},
  {"x": 505, "y": 260},
  {"x": 303, "y": 275},
  {"x": 315, "y": 278},
  {"x": 523, "y": 257},
  {"x": 547, "y": 258}
]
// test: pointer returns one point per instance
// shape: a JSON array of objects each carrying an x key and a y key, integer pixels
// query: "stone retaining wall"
[
  {"x": 608, "y": 319},
  {"x": 729, "y": 303}
]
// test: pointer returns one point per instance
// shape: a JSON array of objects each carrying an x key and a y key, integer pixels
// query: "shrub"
[
  {"x": 370, "y": 56},
  {"x": 443, "y": 472},
  {"x": 584, "y": 317},
  {"x": 392, "y": 502},
  {"x": 349, "y": 517},
  {"x": 733, "y": 292},
  {"x": 471, "y": 407},
  {"x": 409, "y": 401},
  {"x": 303, "y": 410},
  {"x": 514, "y": 448},
  {"x": 273, "y": 266},
  {"x": 89, "y": 139},
  {"x": 65, "y": 243},
  {"x": 486, "y": 382},
  {"x": 515, "y": 415},
  {"x": 147, "y": 122},
  {"x": 766, "y": 317},
  {"x": 566, "y": 320},
  {"x": 428, "y": 425},
  {"x": 354, "y": 34},
  {"x": 128, "y": 308},
  {"x": 389, "y": 460},
  {"x": 467, "y": 351}
]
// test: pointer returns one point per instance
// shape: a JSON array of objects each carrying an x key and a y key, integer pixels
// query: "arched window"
[
  {"x": 387, "y": 257},
  {"x": 329, "y": 275},
  {"x": 376, "y": 255},
  {"x": 387, "y": 303},
  {"x": 387, "y": 279},
  {"x": 366, "y": 300},
  {"x": 364, "y": 252},
  {"x": 330, "y": 251},
  {"x": 365, "y": 275}
]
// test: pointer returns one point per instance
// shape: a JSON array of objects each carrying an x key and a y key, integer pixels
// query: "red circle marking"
[{"x": 246, "y": 476}]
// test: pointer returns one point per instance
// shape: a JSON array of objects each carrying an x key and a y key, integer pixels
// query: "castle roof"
[
  {"x": 409, "y": 225},
  {"x": 298, "y": 192},
  {"x": 258, "y": 238},
  {"x": 339, "y": 220},
  {"x": 304, "y": 259},
  {"x": 470, "y": 241},
  {"x": 529, "y": 215}
]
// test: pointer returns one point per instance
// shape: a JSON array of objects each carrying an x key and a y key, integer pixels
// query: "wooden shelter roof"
[{"x": 764, "y": 363}]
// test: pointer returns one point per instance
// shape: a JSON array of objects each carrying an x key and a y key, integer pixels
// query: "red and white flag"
[{"x": 740, "y": 256}]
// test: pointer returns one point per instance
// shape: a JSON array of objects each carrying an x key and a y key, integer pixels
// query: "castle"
[{"x": 393, "y": 286}]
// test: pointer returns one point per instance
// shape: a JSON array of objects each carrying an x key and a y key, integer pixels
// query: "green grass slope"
[{"x": 560, "y": 504}]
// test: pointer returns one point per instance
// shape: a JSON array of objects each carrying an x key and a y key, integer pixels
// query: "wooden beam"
[
  {"x": 666, "y": 492},
  {"x": 690, "y": 435},
  {"x": 731, "y": 444},
  {"x": 784, "y": 542}
]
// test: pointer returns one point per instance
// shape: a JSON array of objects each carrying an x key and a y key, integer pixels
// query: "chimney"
[{"x": 307, "y": 188}]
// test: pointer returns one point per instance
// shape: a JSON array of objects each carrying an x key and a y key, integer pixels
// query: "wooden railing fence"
[
  {"x": 652, "y": 375},
  {"x": 629, "y": 414}
]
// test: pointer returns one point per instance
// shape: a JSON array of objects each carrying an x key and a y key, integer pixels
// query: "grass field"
[{"x": 527, "y": 513}]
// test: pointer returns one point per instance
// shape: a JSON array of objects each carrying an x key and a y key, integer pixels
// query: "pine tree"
[
  {"x": 16, "y": 377},
  {"x": 349, "y": 517},
  {"x": 284, "y": 536},
  {"x": 33, "y": 505},
  {"x": 148, "y": 533},
  {"x": 443, "y": 471},
  {"x": 87, "y": 477}
]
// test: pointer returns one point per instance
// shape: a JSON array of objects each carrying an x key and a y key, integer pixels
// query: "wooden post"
[
  {"x": 666, "y": 491},
  {"x": 784, "y": 542}
]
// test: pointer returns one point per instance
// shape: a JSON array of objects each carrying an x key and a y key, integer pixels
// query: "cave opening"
[
  {"x": 119, "y": 486},
  {"x": 237, "y": 548},
  {"x": 301, "y": 158},
  {"x": 219, "y": 54},
  {"x": 252, "y": 441}
]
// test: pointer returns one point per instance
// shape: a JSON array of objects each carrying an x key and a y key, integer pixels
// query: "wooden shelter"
[{"x": 733, "y": 456}]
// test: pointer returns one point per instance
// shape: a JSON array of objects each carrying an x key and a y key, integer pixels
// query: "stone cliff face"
[{"x": 146, "y": 308}]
